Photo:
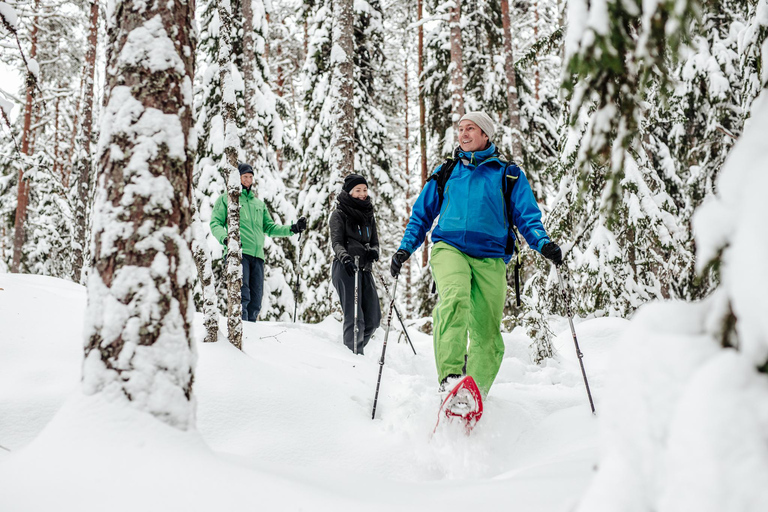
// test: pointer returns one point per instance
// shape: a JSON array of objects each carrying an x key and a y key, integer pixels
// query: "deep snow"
[{"x": 285, "y": 424}]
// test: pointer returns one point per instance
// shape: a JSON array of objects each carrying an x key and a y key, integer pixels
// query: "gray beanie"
[{"x": 482, "y": 120}]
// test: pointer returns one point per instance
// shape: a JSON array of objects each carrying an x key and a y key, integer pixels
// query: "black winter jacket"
[{"x": 352, "y": 230}]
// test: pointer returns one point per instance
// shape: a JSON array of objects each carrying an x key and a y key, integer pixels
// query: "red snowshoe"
[{"x": 463, "y": 402}]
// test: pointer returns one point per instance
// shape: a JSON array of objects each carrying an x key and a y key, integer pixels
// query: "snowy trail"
[{"x": 296, "y": 405}]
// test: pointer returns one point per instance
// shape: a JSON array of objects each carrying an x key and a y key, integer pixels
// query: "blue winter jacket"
[{"x": 472, "y": 217}]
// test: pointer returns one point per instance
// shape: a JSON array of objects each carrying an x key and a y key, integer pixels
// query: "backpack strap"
[
  {"x": 444, "y": 174},
  {"x": 511, "y": 175}
]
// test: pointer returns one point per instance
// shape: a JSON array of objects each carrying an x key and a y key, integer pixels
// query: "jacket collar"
[{"x": 475, "y": 158}]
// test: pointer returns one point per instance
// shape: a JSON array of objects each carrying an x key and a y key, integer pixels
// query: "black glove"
[
  {"x": 371, "y": 254},
  {"x": 397, "y": 262},
  {"x": 300, "y": 225},
  {"x": 552, "y": 252},
  {"x": 225, "y": 243},
  {"x": 349, "y": 265}
]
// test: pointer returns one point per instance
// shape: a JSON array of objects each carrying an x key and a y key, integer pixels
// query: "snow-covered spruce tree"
[
  {"x": 139, "y": 348},
  {"x": 263, "y": 140},
  {"x": 613, "y": 210},
  {"x": 321, "y": 179},
  {"x": 48, "y": 248}
]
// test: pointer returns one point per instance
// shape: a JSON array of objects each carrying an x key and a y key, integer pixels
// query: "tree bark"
[
  {"x": 407, "y": 177},
  {"x": 228, "y": 169},
  {"x": 139, "y": 348},
  {"x": 205, "y": 274},
  {"x": 342, "y": 54},
  {"x": 85, "y": 159},
  {"x": 509, "y": 66},
  {"x": 22, "y": 190},
  {"x": 422, "y": 121},
  {"x": 457, "y": 70},
  {"x": 251, "y": 135}
]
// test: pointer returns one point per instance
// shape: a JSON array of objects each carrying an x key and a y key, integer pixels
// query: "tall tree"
[
  {"x": 342, "y": 88},
  {"x": 509, "y": 67},
  {"x": 230, "y": 77},
  {"x": 85, "y": 158},
  {"x": 27, "y": 143},
  {"x": 457, "y": 69},
  {"x": 139, "y": 348}
]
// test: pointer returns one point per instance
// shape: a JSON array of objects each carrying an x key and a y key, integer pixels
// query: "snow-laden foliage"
[{"x": 321, "y": 181}]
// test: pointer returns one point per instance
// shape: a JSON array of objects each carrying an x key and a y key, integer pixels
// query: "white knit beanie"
[{"x": 482, "y": 120}]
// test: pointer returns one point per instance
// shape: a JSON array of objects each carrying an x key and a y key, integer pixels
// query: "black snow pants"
[{"x": 368, "y": 310}]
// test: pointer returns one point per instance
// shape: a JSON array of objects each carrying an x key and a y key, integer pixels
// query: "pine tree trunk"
[
  {"x": 343, "y": 139},
  {"x": 205, "y": 274},
  {"x": 85, "y": 159},
  {"x": 234, "y": 270},
  {"x": 139, "y": 347},
  {"x": 509, "y": 65},
  {"x": 422, "y": 122},
  {"x": 457, "y": 70},
  {"x": 73, "y": 137},
  {"x": 407, "y": 178},
  {"x": 22, "y": 190},
  {"x": 251, "y": 136}
]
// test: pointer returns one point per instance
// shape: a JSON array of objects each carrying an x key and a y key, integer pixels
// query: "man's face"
[
  {"x": 246, "y": 179},
  {"x": 471, "y": 137}
]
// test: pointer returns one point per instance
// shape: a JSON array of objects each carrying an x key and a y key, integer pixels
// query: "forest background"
[{"x": 620, "y": 113}]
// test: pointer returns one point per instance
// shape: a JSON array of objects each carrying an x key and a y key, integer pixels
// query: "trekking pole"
[
  {"x": 397, "y": 312},
  {"x": 575, "y": 341},
  {"x": 298, "y": 278},
  {"x": 357, "y": 266},
  {"x": 384, "y": 348}
]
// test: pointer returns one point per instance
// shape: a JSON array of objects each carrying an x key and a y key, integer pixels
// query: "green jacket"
[{"x": 255, "y": 221}]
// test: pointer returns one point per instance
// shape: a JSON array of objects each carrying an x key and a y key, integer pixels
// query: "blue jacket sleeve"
[
  {"x": 527, "y": 215},
  {"x": 423, "y": 214}
]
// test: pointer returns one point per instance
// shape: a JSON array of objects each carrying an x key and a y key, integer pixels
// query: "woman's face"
[{"x": 359, "y": 192}]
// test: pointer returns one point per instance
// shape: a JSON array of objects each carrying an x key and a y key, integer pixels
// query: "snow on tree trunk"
[
  {"x": 139, "y": 348},
  {"x": 457, "y": 70},
  {"x": 228, "y": 169},
  {"x": 509, "y": 67},
  {"x": 27, "y": 143},
  {"x": 84, "y": 161},
  {"x": 343, "y": 139},
  {"x": 205, "y": 273}
]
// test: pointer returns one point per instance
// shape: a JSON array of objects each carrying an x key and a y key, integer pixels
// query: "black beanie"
[
  {"x": 244, "y": 168},
  {"x": 352, "y": 181}
]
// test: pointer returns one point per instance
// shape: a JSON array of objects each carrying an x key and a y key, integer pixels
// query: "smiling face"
[
  {"x": 246, "y": 179},
  {"x": 359, "y": 192},
  {"x": 471, "y": 137}
]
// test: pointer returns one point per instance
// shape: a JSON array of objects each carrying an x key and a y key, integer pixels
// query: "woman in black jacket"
[{"x": 353, "y": 233}]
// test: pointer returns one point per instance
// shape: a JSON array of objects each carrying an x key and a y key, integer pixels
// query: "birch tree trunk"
[
  {"x": 408, "y": 296},
  {"x": 422, "y": 122},
  {"x": 509, "y": 66},
  {"x": 205, "y": 274},
  {"x": 234, "y": 271},
  {"x": 85, "y": 159},
  {"x": 342, "y": 54},
  {"x": 457, "y": 70},
  {"x": 22, "y": 190},
  {"x": 139, "y": 348}
]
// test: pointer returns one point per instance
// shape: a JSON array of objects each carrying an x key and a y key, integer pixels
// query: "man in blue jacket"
[{"x": 469, "y": 256}]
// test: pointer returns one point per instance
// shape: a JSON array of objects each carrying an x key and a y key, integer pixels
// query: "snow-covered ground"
[{"x": 286, "y": 424}]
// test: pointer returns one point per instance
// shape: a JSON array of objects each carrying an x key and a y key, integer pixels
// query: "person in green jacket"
[{"x": 255, "y": 222}]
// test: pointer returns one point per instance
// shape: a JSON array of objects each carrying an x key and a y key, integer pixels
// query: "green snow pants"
[{"x": 471, "y": 295}]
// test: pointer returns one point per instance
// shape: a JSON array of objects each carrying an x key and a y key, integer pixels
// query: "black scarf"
[{"x": 357, "y": 210}]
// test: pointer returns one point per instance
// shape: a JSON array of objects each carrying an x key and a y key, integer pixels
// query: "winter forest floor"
[{"x": 286, "y": 424}]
